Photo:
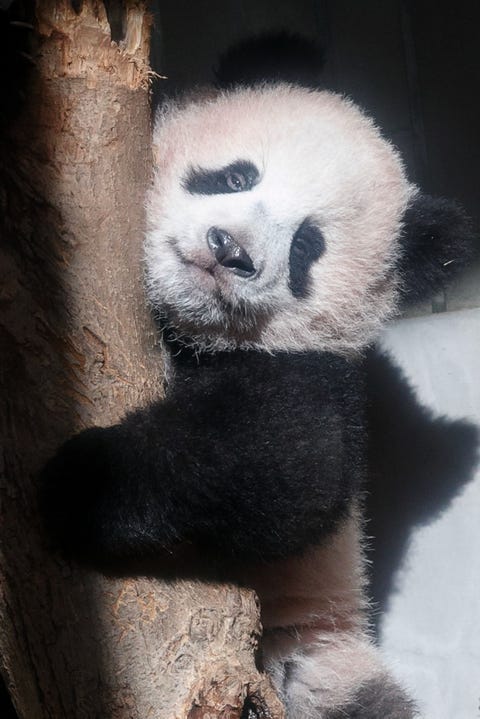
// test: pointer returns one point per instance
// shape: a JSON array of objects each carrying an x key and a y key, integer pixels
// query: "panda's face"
[{"x": 273, "y": 221}]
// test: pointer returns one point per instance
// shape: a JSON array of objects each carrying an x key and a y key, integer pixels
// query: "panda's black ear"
[{"x": 436, "y": 243}]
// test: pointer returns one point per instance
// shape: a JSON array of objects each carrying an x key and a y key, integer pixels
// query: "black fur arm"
[
  {"x": 246, "y": 460},
  {"x": 437, "y": 243}
]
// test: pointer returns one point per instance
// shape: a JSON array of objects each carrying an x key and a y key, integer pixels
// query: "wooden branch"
[{"x": 77, "y": 349}]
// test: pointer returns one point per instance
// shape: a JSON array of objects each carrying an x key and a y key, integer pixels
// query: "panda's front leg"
[
  {"x": 100, "y": 500},
  {"x": 228, "y": 462},
  {"x": 317, "y": 646},
  {"x": 130, "y": 491}
]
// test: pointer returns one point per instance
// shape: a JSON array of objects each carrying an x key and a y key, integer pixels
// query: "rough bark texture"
[{"x": 77, "y": 349}]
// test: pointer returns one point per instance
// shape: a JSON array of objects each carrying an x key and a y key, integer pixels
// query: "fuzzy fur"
[
  {"x": 258, "y": 455},
  {"x": 377, "y": 698},
  {"x": 223, "y": 418},
  {"x": 338, "y": 171}
]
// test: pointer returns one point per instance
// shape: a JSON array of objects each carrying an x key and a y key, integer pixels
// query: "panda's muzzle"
[{"x": 229, "y": 253}]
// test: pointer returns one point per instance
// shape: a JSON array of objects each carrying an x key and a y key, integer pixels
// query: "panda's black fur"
[
  {"x": 439, "y": 225},
  {"x": 217, "y": 442},
  {"x": 258, "y": 455}
]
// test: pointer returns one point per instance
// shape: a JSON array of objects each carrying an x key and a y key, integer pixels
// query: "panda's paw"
[
  {"x": 379, "y": 698},
  {"x": 341, "y": 677},
  {"x": 74, "y": 486}
]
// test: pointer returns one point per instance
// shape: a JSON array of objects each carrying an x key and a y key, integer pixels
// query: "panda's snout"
[{"x": 229, "y": 253}]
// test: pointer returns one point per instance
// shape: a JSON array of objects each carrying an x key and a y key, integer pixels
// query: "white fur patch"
[{"x": 319, "y": 157}]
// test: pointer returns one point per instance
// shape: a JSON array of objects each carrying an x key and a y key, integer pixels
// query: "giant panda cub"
[{"x": 282, "y": 235}]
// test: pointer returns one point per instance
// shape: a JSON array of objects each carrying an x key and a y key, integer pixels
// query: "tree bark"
[{"x": 77, "y": 349}]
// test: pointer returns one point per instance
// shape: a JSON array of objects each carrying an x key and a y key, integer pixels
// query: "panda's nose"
[{"x": 229, "y": 253}]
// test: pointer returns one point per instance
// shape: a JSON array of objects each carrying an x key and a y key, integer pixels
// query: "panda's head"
[{"x": 278, "y": 220}]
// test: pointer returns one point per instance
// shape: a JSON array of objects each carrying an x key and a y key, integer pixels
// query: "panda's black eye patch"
[
  {"x": 308, "y": 244},
  {"x": 239, "y": 176}
]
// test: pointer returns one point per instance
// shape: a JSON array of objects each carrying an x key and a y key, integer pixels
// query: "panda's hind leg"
[
  {"x": 377, "y": 699},
  {"x": 317, "y": 645},
  {"x": 338, "y": 678}
]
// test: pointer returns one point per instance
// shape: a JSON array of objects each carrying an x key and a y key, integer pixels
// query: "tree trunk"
[{"x": 77, "y": 349}]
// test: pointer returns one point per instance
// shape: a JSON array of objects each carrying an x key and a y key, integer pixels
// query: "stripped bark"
[{"x": 77, "y": 349}]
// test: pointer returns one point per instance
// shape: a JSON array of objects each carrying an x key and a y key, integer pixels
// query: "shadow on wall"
[{"x": 418, "y": 464}]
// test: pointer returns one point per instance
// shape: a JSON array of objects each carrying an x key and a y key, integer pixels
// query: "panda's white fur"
[{"x": 318, "y": 156}]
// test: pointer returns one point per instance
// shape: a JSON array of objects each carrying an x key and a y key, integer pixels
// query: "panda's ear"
[{"x": 436, "y": 243}]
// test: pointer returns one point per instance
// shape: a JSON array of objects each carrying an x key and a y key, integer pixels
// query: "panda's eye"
[
  {"x": 239, "y": 176},
  {"x": 308, "y": 241},
  {"x": 307, "y": 245},
  {"x": 300, "y": 246},
  {"x": 236, "y": 181}
]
